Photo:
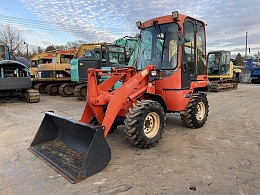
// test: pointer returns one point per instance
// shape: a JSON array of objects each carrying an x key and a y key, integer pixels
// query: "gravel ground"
[{"x": 223, "y": 157}]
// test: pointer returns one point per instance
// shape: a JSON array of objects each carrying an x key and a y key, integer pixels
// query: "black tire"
[
  {"x": 94, "y": 121},
  {"x": 144, "y": 123},
  {"x": 116, "y": 123},
  {"x": 196, "y": 113}
]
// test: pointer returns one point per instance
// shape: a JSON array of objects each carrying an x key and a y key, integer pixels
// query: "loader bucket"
[{"x": 74, "y": 149}]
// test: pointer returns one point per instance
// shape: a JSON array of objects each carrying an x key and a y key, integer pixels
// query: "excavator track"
[
  {"x": 67, "y": 89},
  {"x": 52, "y": 89},
  {"x": 80, "y": 91},
  {"x": 223, "y": 85},
  {"x": 40, "y": 87},
  {"x": 32, "y": 96}
]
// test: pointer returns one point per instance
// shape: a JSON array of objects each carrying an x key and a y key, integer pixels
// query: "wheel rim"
[
  {"x": 201, "y": 111},
  {"x": 151, "y": 124}
]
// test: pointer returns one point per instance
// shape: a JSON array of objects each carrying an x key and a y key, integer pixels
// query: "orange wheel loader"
[{"x": 170, "y": 76}]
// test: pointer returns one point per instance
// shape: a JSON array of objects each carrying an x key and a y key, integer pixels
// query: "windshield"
[
  {"x": 34, "y": 63},
  {"x": 159, "y": 46},
  {"x": 44, "y": 61},
  {"x": 90, "y": 54},
  {"x": 116, "y": 55},
  {"x": 219, "y": 63},
  {"x": 65, "y": 58}
]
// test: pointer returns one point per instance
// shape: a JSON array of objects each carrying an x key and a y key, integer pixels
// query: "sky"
[{"x": 56, "y": 22}]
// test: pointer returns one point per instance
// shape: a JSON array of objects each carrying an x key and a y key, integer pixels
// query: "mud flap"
[{"x": 74, "y": 149}]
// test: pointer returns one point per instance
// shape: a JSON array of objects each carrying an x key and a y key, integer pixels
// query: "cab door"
[{"x": 189, "y": 54}]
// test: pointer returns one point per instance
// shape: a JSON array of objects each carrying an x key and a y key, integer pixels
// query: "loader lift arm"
[{"x": 134, "y": 84}]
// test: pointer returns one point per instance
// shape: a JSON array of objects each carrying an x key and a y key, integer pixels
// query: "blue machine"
[
  {"x": 122, "y": 52},
  {"x": 254, "y": 68},
  {"x": 15, "y": 78},
  {"x": 131, "y": 45}
]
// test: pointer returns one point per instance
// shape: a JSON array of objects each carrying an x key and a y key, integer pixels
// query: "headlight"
[
  {"x": 153, "y": 73},
  {"x": 59, "y": 75}
]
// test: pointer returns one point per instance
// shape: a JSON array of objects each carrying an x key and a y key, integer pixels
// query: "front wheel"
[
  {"x": 144, "y": 123},
  {"x": 196, "y": 113}
]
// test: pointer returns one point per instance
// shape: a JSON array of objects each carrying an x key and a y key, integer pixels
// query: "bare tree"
[
  {"x": 13, "y": 37},
  {"x": 50, "y": 48},
  {"x": 60, "y": 47},
  {"x": 40, "y": 50},
  {"x": 74, "y": 44}
]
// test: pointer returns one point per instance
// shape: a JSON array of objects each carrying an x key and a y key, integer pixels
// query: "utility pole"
[{"x": 246, "y": 48}]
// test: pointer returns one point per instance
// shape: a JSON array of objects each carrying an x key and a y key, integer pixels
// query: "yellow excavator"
[
  {"x": 87, "y": 46},
  {"x": 39, "y": 58},
  {"x": 52, "y": 75},
  {"x": 223, "y": 75}
]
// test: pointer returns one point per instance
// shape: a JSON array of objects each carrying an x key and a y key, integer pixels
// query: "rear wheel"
[
  {"x": 196, "y": 113},
  {"x": 144, "y": 123}
]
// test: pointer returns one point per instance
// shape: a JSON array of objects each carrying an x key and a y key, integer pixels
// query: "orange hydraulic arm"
[{"x": 134, "y": 85}]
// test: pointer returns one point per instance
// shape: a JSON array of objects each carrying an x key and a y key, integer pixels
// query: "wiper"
[
  {"x": 159, "y": 33},
  {"x": 163, "y": 46},
  {"x": 158, "y": 30}
]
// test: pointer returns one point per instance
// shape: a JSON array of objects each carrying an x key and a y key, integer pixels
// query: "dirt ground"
[{"x": 223, "y": 157}]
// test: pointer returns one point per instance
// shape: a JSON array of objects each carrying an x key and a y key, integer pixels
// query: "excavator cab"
[
  {"x": 219, "y": 63},
  {"x": 221, "y": 72},
  {"x": 170, "y": 76}
]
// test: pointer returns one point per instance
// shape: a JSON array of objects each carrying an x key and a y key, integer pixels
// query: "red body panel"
[
  {"x": 134, "y": 84},
  {"x": 175, "y": 100}
]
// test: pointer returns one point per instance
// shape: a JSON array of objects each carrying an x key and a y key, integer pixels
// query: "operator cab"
[
  {"x": 174, "y": 47},
  {"x": 219, "y": 62},
  {"x": 159, "y": 47}
]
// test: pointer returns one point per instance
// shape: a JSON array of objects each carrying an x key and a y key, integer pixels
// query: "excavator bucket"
[{"x": 74, "y": 149}]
